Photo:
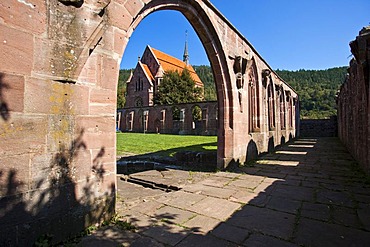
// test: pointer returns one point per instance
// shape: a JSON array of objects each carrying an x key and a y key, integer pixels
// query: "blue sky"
[{"x": 288, "y": 34}]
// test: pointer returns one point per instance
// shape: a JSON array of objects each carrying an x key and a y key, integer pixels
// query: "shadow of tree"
[
  {"x": 4, "y": 109},
  {"x": 58, "y": 204},
  {"x": 288, "y": 198}
]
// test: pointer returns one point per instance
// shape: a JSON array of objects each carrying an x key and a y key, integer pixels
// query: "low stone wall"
[
  {"x": 319, "y": 127},
  {"x": 159, "y": 119}
]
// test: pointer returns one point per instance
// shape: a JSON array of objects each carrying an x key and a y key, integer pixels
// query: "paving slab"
[
  {"x": 218, "y": 181},
  {"x": 298, "y": 193},
  {"x": 172, "y": 215},
  {"x": 215, "y": 208},
  {"x": 266, "y": 221},
  {"x": 315, "y": 233},
  {"x": 243, "y": 196},
  {"x": 166, "y": 233},
  {"x": 231, "y": 233},
  {"x": 306, "y": 194},
  {"x": 180, "y": 199},
  {"x": 204, "y": 241},
  {"x": 316, "y": 211},
  {"x": 202, "y": 224},
  {"x": 283, "y": 204},
  {"x": 260, "y": 240},
  {"x": 345, "y": 216},
  {"x": 109, "y": 236},
  {"x": 335, "y": 198},
  {"x": 202, "y": 189}
]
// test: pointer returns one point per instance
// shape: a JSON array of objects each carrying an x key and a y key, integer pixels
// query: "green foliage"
[
  {"x": 196, "y": 113},
  {"x": 124, "y": 74},
  {"x": 43, "y": 241},
  {"x": 177, "y": 88},
  {"x": 205, "y": 74},
  {"x": 164, "y": 145},
  {"x": 123, "y": 224},
  {"x": 317, "y": 90}
]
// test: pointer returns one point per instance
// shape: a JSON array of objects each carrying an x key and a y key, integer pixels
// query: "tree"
[
  {"x": 124, "y": 74},
  {"x": 177, "y": 88},
  {"x": 205, "y": 74}
]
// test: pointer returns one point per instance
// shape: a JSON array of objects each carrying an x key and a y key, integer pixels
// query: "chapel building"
[{"x": 146, "y": 78}]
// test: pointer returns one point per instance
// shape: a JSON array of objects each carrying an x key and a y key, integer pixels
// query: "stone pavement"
[{"x": 308, "y": 193}]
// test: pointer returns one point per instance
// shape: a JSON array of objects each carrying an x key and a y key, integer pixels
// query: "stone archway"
[
  {"x": 201, "y": 22},
  {"x": 58, "y": 86}
]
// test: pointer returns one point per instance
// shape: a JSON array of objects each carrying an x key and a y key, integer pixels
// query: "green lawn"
[{"x": 165, "y": 145}]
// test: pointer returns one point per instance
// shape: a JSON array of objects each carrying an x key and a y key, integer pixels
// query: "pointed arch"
[
  {"x": 271, "y": 105},
  {"x": 253, "y": 98},
  {"x": 282, "y": 109}
]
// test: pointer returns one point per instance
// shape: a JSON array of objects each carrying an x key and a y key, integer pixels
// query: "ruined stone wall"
[
  {"x": 159, "y": 119},
  {"x": 354, "y": 102},
  {"x": 57, "y": 136},
  {"x": 58, "y": 78}
]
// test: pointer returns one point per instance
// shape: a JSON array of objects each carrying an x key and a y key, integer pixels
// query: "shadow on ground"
[{"x": 308, "y": 193}]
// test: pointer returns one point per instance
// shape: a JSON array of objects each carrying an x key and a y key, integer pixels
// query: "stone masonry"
[
  {"x": 354, "y": 101},
  {"x": 159, "y": 119},
  {"x": 58, "y": 80}
]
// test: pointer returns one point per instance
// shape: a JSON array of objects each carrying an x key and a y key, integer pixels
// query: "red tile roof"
[
  {"x": 170, "y": 63},
  {"x": 147, "y": 71}
]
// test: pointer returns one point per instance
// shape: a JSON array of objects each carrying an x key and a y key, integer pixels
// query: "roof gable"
[{"x": 169, "y": 63}]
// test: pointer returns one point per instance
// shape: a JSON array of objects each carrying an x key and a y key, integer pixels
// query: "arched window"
[
  {"x": 290, "y": 109},
  {"x": 271, "y": 105},
  {"x": 175, "y": 113},
  {"x": 196, "y": 113},
  {"x": 253, "y": 96},
  {"x": 282, "y": 110}
]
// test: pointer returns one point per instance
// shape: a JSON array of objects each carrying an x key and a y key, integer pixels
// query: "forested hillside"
[
  {"x": 205, "y": 74},
  {"x": 317, "y": 89}
]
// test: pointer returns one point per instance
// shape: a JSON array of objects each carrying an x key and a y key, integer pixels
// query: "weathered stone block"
[
  {"x": 31, "y": 130},
  {"x": 90, "y": 70},
  {"x": 30, "y": 16},
  {"x": 14, "y": 174},
  {"x": 60, "y": 98},
  {"x": 102, "y": 96},
  {"x": 16, "y": 48},
  {"x": 11, "y": 94},
  {"x": 133, "y": 7},
  {"x": 102, "y": 109},
  {"x": 109, "y": 74},
  {"x": 120, "y": 41},
  {"x": 98, "y": 132},
  {"x": 119, "y": 16}
]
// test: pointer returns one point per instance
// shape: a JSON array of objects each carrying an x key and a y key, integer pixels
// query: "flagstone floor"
[{"x": 308, "y": 193}]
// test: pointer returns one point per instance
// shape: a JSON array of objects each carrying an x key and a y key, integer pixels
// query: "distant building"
[{"x": 148, "y": 74}]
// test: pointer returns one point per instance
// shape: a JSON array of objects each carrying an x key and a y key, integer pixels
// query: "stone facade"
[
  {"x": 354, "y": 101},
  {"x": 148, "y": 74},
  {"x": 160, "y": 119},
  {"x": 58, "y": 83}
]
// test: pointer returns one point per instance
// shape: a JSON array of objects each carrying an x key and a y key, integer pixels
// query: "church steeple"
[{"x": 186, "y": 53}]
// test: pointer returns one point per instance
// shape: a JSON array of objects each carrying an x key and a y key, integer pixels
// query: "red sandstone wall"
[
  {"x": 58, "y": 75},
  {"x": 57, "y": 136},
  {"x": 354, "y": 102},
  {"x": 156, "y": 123}
]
